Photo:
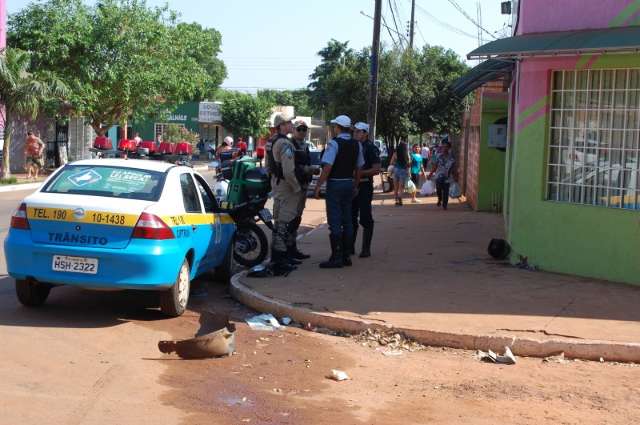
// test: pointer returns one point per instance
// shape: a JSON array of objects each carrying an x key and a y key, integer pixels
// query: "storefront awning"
[
  {"x": 489, "y": 70},
  {"x": 623, "y": 39}
]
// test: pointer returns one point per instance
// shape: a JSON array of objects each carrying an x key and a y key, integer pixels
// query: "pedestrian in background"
[
  {"x": 341, "y": 164},
  {"x": 416, "y": 171},
  {"x": 425, "y": 153},
  {"x": 286, "y": 192},
  {"x": 442, "y": 168},
  {"x": 33, "y": 153},
  {"x": 361, "y": 207},
  {"x": 401, "y": 163}
]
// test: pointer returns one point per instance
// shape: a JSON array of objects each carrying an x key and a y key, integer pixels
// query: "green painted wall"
[
  {"x": 492, "y": 160},
  {"x": 575, "y": 239},
  {"x": 186, "y": 114}
]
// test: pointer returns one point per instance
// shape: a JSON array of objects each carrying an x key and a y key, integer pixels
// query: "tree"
[
  {"x": 120, "y": 57},
  {"x": 22, "y": 95},
  {"x": 413, "y": 88},
  {"x": 245, "y": 115}
]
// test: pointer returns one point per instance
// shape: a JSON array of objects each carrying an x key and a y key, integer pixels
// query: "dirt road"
[
  {"x": 92, "y": 358},
  {"x": 279, "y": 378}
]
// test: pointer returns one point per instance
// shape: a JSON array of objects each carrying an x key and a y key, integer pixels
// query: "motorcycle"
[{"x": 251, "y": 245}]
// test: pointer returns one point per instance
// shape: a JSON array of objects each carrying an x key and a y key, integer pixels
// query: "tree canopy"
[
  {"x": 244, "y": 114},
  {"x": 413, "y": 88},
  {"x": 120, "y": 57}
]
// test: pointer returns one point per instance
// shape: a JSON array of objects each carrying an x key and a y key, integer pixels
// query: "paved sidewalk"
[{"x": 430, "y": 272}]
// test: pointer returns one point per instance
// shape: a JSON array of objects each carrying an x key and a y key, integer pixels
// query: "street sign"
[{"x": 209, "y": 112}]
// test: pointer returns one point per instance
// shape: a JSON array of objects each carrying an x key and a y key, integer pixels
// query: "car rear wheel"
[
  {"x": 224, "y": 271},
  {"x": 174, "y": 301},
  {"x": 31, "y": 293}
]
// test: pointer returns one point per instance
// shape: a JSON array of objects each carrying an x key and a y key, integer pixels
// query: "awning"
[
  {"x": 622, "y": 39},
  {"x": 489, "y": 70}
]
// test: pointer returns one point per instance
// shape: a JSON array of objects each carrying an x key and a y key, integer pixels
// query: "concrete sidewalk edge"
[
  {"x": 579, "y": 349},
  {"x": 20, "y": 186}
]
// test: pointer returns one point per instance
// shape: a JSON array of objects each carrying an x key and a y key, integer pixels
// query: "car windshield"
[{"x": 111, "y": 182}]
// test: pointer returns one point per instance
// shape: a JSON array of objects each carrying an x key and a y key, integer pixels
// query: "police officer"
[
  {"x": 362, "y": 202},
  {"x": 280, "y": 153},
  {"x": 304, "y": 174},
  {"x": 341, "y": 165}
]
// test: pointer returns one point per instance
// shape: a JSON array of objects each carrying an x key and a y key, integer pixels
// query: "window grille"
[{"x": 594, "y": 138}]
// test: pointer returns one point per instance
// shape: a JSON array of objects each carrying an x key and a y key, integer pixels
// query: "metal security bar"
[{"x": 594, "y": 151}]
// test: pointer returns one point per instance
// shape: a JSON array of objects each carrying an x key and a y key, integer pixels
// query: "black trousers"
[
  {"x": 361, "y": 206},
  {"x": 442, "y": 189}
]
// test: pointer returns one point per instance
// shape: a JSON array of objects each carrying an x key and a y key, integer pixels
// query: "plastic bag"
[
  {"x": 410, "y": 187},
  {"x": 454, "y": 190},
  {"x": 428, "y": 188}
]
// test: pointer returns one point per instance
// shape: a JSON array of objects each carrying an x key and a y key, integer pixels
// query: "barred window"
[
  {"x": 161, "y": 128},
  {"x": 594, "y": 138}
]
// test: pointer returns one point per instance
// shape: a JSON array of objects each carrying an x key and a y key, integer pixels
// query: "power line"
[
  {"x": 445, "y": 24},
  {"x": 469, "y": 18},
  {"x": 420, "y": 32},
  {"x": 395, "y": 23},
  {"x": 389, "y": 29}
]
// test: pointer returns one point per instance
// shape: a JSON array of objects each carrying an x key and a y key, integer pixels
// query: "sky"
[{"x": 274, "y": 44}]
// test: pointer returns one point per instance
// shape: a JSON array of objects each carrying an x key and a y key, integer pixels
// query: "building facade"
[
  {"x": 572, "y": 187},
  {"x": 203, "y": 118}
]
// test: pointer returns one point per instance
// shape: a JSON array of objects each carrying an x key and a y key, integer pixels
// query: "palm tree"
[{"x": 22, "y": 95}]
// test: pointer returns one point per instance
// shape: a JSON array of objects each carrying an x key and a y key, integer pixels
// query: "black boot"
[
  {"x": 295, "y": 253},
  {"x": 279, "y": 264},
  {"x": 367, "y": 235},
  {"x": 290, "y": 256},
  {"x": 347, "y": 244},
  {"x": 335, "y": 262}
]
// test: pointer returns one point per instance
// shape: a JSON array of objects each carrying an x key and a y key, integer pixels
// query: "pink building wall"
[
  {"x": 565, "y": 15},
  {"x": 3, "y": 24}
]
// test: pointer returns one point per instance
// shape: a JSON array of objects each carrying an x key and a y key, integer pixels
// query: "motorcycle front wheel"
[{"x": 250, "y": 245}]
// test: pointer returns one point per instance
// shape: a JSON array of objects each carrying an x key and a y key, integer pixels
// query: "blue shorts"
[{"x": 400, "y": 175}]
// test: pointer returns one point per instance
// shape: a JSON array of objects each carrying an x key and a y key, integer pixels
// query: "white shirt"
[{"x": 425, "y": 152}]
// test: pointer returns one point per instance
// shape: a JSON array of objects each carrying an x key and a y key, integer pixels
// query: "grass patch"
[{"x": 8, "y": 180}]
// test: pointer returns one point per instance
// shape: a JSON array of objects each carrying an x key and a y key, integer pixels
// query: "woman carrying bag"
[{"x": 401, "y": 163}]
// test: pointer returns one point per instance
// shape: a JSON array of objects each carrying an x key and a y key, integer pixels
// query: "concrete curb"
[
  {"x": 575, "y": 349},
  {"x": 19, "y": 187}
]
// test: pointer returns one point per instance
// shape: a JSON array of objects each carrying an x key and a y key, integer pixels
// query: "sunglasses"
[{"x": 302, "y": 129}]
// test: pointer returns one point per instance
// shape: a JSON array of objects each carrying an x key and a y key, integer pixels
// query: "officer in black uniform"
[
  {"x": 361, "y": 206},
  {"x": 304, "y": 173},
  {"x": 341, "y": 164}
]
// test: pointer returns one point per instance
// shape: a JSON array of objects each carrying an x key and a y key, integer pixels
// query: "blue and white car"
[{"x": 119, "y": 224}]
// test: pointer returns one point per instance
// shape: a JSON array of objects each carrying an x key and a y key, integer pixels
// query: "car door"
[
  {"x": 198, "y": 224},
  {"x": 215, "y": 252}
]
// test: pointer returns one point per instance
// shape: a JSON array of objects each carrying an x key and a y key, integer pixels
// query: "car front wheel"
[
  {"x": 31, "y": 293},
  {"x": 174, "y": 301}
]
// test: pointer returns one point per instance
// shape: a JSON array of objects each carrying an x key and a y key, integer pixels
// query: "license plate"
[
  {"x": 63, "y": 263},
  {"x": 265, "y": 215}
]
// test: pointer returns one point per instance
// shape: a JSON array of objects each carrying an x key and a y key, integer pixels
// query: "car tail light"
[
  {"x": 151, "y": 226},
  {"x": 19, "y": 218}
]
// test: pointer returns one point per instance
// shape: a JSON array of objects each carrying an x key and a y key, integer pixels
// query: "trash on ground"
[
  {"x": 392, "y": 353},
  {"x": 263, "y": 322},
  {"x": 374, "y": 338},
  {"x": 491, "y": 357},
  {"x": 601, "y": 359},
  {"x": 286, "y": 321},
  {"x": 558, "y": 358},
  {"x": 218, "y": 343},
  {"x": 338, "y": 375}
]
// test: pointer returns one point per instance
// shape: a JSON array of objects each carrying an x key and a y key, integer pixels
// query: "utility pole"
[
  {"x": 373, "y": 80},
  {"x": 412, "y": 24}
]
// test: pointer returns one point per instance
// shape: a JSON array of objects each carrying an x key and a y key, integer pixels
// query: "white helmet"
[{"x": 229, "y": 140}]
